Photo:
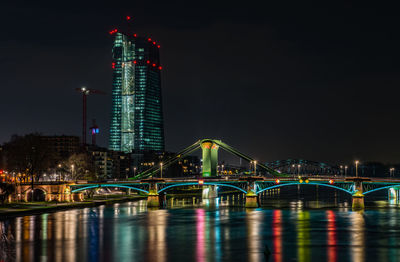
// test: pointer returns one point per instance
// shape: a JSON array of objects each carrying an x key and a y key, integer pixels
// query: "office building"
[{"x": 137, "y": 116}]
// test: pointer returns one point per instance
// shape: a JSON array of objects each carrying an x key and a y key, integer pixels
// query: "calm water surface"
[{"x": 305, "y": 229}]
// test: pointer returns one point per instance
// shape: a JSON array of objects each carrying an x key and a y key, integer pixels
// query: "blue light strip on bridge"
[
  {"x": 380, "y": 188},
  {"x": 205, "y": 183},
  {"x": 108, "y": 185},
  {"x": 298, "y": 183}
]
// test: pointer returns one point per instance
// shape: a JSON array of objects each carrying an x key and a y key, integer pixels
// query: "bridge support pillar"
[
  {"x": 153, "y": 198},
  {"x": 358, "y": 196},
  {"x": 210, "y": 158},
  {"x": 209, "y": 192},
  {"x": 358, "y": 201},
  {"x": 251, "y": 200},
  {"x": 394, "y": 195}
]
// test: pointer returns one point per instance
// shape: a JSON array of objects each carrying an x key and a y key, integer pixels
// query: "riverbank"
[{"x": 34, "y": 208}]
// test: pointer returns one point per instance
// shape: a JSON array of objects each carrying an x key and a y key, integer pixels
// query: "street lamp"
[
  {"x": 72, "y": 171},
  {"x": 255, "y": 167},
  {"x": 357, "y": 162},
  {"x": 222, "y": 169},
  {"x": 134, "y": 171},
  {"x": 251, "y": 162},
  {"x": 341, "y": 170},
  {"x": 391, "y": 172},
  {"x": 161, "y": 165},
  {"x": 298, "y": 170},
  {"x": 345, "y": 171},
  {"x": 59, "y": 172}
]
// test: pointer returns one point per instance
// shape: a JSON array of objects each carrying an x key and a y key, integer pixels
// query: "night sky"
[{"x": 275, "y": 81}]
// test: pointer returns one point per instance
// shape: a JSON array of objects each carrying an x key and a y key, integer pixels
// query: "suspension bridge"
[{"x": 155, "y": 188}]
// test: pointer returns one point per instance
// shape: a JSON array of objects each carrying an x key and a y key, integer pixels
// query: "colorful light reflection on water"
[{"x": 214, "y": 232}]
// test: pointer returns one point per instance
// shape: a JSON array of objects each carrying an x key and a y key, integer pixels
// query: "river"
[{"x": 300, "y": 229}]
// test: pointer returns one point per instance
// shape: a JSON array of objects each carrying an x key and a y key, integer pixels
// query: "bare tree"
[
  {"x": 5, "y": 190},
  {"x": 29, "y": 155},
  {"x": 78, "y": 167}
]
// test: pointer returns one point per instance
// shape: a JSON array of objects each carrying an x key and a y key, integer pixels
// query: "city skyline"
[{"x": 275, "y": 86}]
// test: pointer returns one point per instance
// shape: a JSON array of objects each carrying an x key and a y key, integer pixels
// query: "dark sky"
[{"x": 319, "y": 82}]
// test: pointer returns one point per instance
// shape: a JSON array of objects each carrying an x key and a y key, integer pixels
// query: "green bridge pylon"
[
  {"x": 210, "y": 149},
  {"x": 210, "y": 157}
]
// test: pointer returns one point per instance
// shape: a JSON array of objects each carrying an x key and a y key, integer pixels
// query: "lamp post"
[
  {"x": 134, "y": 171},
  {"x": 341, "y": 170},
  {"x": 222, "y": 169},
  {"x": 251, "y": 162},
  {"x": 345, "y": 171},
  {"x": 357, "y": 162},
  {"x": 391, "y": 172},
  {"x": 72, "y": 171},
  {"x": 298, "y": 170},
  {"x": 255, "y": 167},
  {"x": 59, "y": 172},
  {"x": 161, "y": 165}
]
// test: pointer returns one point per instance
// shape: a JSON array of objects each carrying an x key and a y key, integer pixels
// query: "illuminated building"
[
  {"x": 137, "y": 119},
  {"x": 108, "y": 164}
]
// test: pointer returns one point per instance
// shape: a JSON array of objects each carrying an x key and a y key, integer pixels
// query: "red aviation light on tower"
[
  {"x": 149, "y": 39},
  {"x": 160, "y": 67},
  {"x": 154, "y": 65},
  {"x": 158, "y": 46},
  {"x": 134, "y": 61},
  {"x": 148, "y": 61},
  {"x": 113, "y": 65},
  {"x": 154, "y": 43},
  {"x": 113, "y": 31},
  {"x": 128, "y": 17},
  {"x": 134, "y": 35}
]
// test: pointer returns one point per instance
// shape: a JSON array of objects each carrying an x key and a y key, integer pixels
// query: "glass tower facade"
[{"x": 137, "y": 118}]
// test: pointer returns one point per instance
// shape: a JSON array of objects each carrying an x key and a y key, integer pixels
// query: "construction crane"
[{"x": 85, "y": 92}]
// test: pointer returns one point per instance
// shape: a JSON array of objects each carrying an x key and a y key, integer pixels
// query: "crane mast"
[{"x": 85, "y": 92}]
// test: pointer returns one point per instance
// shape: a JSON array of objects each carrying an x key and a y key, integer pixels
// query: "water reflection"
[
  {"x": 204, "y": 232},
  {"x": 277, "y": 235},
  {"x": 331, "y": 236},
  {"x": 157, "y": 224},
  {"x": 254, "y": 248},
  {"x": 303, "y": 236},
  {"x": 200, "y": 233},
  {"x": 357, "y": 237}
]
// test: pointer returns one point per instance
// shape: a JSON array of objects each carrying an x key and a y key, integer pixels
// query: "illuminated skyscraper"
[{"x": 137, "y": 118}]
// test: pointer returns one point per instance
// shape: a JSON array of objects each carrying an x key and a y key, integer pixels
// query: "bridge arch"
[
  {"x": 39, "y": 194},
  {"x": 205, "y": 183},
  {"x": 379, "y": 188},
  {"x": 310, "y": 183},
  {"x": 108, "y": 185},
  {"x": 28, "y": 189}
]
